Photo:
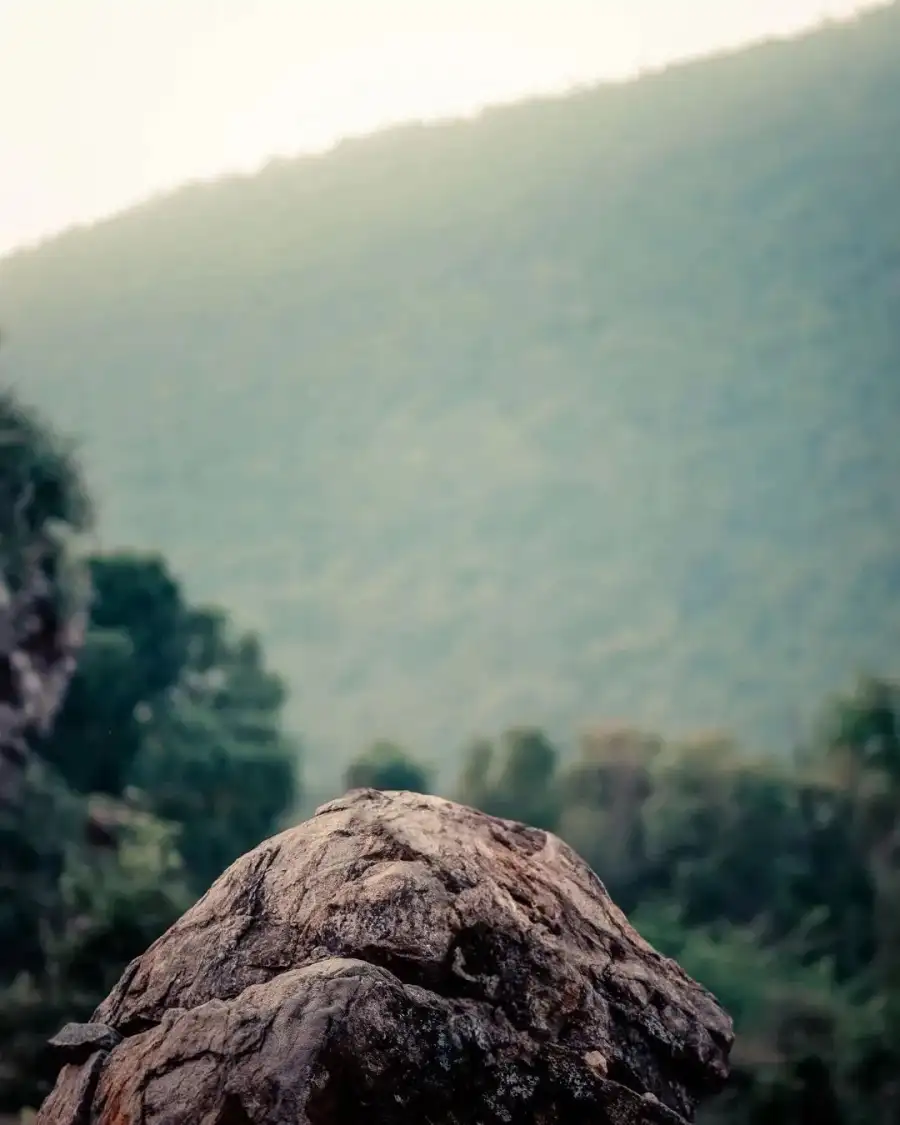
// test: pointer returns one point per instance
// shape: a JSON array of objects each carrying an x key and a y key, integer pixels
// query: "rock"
[
  {"x": 44, "y": 587},
  {"x": 38, "y": 649},
  {"x": 400, "y": 958},
  {"x": 78, "y": 1041},
  {"x": 74, "y": 1092}
]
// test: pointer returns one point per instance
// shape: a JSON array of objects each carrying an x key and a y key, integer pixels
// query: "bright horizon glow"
[{"x": 103, "y": 107}]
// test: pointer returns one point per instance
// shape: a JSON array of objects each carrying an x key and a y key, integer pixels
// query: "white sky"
[{"x": 104, "y": 102}]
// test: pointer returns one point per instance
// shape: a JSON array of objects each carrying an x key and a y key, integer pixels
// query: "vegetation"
[
  {"x": 583, "y": 409},
  {"x": 387, "y": 766},
  {"x": 587, "y": 408},
  {"x": 774, "y": 880},
  {"x": 167, "y": 761}
]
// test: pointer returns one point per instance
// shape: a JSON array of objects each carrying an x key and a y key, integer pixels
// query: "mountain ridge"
[
  {"x": 515, "y": 393},
  {"x": 405, "y": 128}
]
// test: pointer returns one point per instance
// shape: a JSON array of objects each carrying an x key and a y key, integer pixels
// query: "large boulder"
[{"x": 398, "y": 959}]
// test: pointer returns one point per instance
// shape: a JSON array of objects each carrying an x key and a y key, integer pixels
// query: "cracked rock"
[
  {"x": 38, "y": 649},
  {"x": 402, "y": 959}
]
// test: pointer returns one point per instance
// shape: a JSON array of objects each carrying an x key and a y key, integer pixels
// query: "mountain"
[{"x": 584, "y": 409}]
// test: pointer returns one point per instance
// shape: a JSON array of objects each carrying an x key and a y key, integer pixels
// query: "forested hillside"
[
  {"x": 774, "y": 879},
  {"x": 584, "y": 409}
]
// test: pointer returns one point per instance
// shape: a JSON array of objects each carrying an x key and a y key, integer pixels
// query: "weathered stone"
[
  {"x": 71, "y": 1099},
  {"x": 76, "y": 1042},
  {"x": 38, "y": 649},
  {"x": 43, "y": 587},
  {"x": 399, "y": 958}
]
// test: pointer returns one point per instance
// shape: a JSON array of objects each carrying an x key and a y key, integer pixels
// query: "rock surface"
[
  {"x": 78, "y": 1041},
  {"x": 43, "y": 588},
  {"x": 401, "y": 959},
  {"x": 38, "y": 649}
]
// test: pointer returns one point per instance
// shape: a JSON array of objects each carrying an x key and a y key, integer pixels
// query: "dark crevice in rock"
[
  {"x": 427, "y": 975},
  {"x": 9, "y": 683},
  {"x": 90, "y": 1075},
  {"x": 233, "y": 1112},
  {"x": 136, "y": 1025}
]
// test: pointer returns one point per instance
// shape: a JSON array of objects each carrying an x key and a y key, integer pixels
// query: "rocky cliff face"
[
  {"x": 398, "y": 959},
  {"x": 38, "y": 648},
  {"x": 43, "y": 587}
]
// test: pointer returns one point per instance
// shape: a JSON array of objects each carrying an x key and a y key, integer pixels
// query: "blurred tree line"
[
  {"x": 166, "y": 762},
  {"x": 774, "y": 880}
]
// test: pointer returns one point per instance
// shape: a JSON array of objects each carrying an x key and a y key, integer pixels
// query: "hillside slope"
[{"x": 585, "y": 409}]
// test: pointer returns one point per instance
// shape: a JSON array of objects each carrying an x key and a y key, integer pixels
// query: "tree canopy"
[
  {"x": 167, "y": 760},
  {"x": 583, "y": 409}
]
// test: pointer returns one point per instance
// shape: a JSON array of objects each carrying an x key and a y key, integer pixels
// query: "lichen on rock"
[{"x": 401, "y": 958}]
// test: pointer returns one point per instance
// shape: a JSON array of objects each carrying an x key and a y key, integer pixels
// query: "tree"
[
  {"x": 166, "y": 760},
  {"x": 82, "y": 914},
  {"x": 751, "y": 840},
  {"x": 772, "y": 879},
  {"x": 134, "y": 655},
  {"x": 168, "y": 699},
  {"x": 858, "y": 750},
  {"x": 85, "y": 888},
  {"x": 603, "y": 796},
  {"x": 516, "y": 781},
  {"x": 790, "y": 1065},
  {"x": 385, "y": 765},
  {"x": 41, "y": 483}
]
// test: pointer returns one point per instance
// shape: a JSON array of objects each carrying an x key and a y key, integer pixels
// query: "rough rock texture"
[
  {"x": 78, "y": 1041},
  {"x": 38, "y": 649},
  {"x": 401, "y": 959}
]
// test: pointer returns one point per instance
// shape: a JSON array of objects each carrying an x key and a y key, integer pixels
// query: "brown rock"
[
  {"x": 402, "y": 959},
  {"x": 38, "y": 649},
  {"x": 43, "y": 585}
]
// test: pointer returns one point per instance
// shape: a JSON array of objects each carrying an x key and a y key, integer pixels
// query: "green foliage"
[
  {"x": 171, "y": 741},
  {"x": 225, "y": 793},
  {"x": 604, "y": 793},
  {"x": 135, "y": 653},
  {"x": 34, "y": 834},
  {"x": 794, "y": 1055},
  {"x": 186, "y": 765},
  {"x": 515, "y": 780},
  {"x": 169, "y": 700},
  {"x": 97, "y": 733},
  {"x": 40, "y": 480},
  {"x": 755, "y": 981},
  {"x": 44, "y": 506},
  {"x": 116, "y": 903},
  {"x": 136, "y": 595},
  {"x": 668, "y": 350},
  {"x": 98, "y": 911},
  {"x": 586, "y": 408},
  {"x": 775, "y": 882},
  {"x": 385, "y": 765},
  {"x": 167, "y": 761},
  {"x": 783, "y": 858}
]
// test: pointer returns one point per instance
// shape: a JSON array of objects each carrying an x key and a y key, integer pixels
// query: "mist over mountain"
[{"x": 585, "y": 409}]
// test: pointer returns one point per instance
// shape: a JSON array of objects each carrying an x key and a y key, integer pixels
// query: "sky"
[{"x": 106, "y": 102}]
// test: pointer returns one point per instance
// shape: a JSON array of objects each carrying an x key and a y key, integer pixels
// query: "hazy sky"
[{"x": 103, "y": 102}]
